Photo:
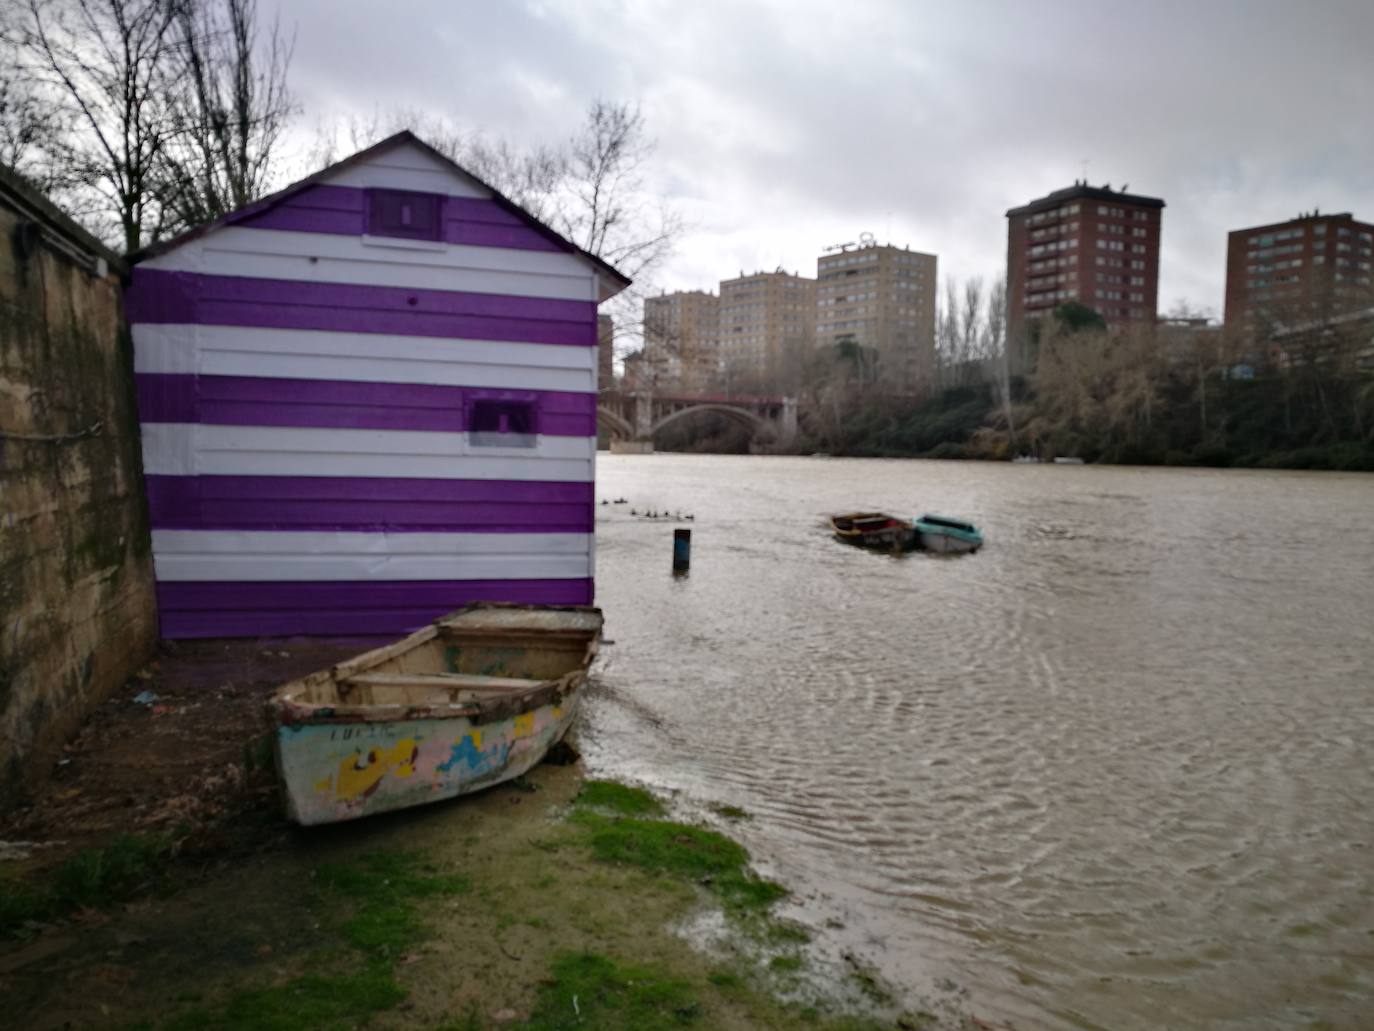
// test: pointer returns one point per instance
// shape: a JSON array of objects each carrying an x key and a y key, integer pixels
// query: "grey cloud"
[{"x": 784, "y": 125}]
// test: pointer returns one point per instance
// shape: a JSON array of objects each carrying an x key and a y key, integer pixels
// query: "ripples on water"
[{"x": 1114, "y": 770}]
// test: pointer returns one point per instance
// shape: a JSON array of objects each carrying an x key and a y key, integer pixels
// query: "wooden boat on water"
[
  {"x": 874, "y": 530},
  {"x": 943, "y": 534},
  {"x": 475, "y": 698}
]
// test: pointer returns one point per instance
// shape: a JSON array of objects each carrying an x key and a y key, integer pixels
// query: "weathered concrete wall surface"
[{"x": 77, "y": 611}]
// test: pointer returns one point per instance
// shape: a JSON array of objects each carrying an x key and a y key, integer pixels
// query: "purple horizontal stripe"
[
  {"x": 368, "y": 503},
  {"x": 341, "y": 211},
  {"x": 261, "y": 401},
  {"x": 343, "y": 608},
  {"x": 160, "y": 296}
]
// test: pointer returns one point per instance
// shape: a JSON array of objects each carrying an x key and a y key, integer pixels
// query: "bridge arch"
[
  {"x": 741, "y": 416},
  {"x": 614, "y": 423}
]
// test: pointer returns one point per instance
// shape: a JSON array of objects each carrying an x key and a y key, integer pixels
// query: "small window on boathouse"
[
  {"x": 499, "y": 423},
  {"x": 405, "y": 214}
]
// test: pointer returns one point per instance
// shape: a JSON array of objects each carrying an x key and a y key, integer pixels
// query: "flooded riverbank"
[{"x": 1112, "y": 771}]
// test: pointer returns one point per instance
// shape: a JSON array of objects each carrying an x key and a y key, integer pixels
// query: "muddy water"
[{"x": 1116, "y": 770}]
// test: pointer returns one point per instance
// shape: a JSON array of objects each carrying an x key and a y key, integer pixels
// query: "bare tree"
[
  {"x": 231, "y": 108},
  {"x": 30, "y": 128},
  {"x": 101, "y": 63}
]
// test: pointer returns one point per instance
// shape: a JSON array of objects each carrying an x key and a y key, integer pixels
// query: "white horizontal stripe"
[
  {"x": 328, "y": 258},
  {"x": 361, "y": 357},
  {"x": 388, "y": 174},
  {"x": 186, "y": 449},
  {"x": 191, "y": 555}
]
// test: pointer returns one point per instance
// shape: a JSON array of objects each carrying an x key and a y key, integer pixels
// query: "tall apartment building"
[
  {"x": 882, "y": 297},
  {"x": 681, "y": 338},
  {"x": 1090, "y": 244},
  {"x": 1312, "y": 267},
  {"x": 767, "y": 326}
]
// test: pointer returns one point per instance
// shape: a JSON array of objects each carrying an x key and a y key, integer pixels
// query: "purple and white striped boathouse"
[{"x": 366, "y": 400}]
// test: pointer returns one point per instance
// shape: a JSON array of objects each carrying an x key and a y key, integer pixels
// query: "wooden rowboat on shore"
[{"x": 475, "y": 698}]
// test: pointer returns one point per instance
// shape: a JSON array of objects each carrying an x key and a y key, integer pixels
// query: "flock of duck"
[{"x": 680, "y": 517}]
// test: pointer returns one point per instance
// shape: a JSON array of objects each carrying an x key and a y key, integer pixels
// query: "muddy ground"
[{"x": 178, "y": 750}]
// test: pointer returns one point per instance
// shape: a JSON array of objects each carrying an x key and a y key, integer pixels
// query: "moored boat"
[
  {"x": 943, "y": 534},
  {"x": 874, "y": 530},
  {"x": 476, "y": 698}
]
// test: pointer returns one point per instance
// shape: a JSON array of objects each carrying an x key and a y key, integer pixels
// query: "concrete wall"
[{"x": 77, "y": 614}]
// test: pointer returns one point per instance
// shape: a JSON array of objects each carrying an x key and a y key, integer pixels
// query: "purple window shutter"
[{"x": 405, "y": 214}]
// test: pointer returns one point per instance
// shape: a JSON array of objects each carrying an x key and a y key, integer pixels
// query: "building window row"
[
  {"x": 1051, "y": 263},
  {"x": 1110, "y": 245},
  {"x": 1052, "y": 248},
  {"x": 1052, "y": 216}
]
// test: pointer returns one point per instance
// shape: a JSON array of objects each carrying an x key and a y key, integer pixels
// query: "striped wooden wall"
[{"x": 307, "y": 395}]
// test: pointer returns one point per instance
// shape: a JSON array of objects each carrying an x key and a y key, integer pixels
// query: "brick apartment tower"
[
  {"x": 767, "y": 326},
  {"x": 680, "y": 338},
  {"x": 1090, "y": 244},
  {"x": 1312, "y": 267},
  {"x": 882, "y": 297}
]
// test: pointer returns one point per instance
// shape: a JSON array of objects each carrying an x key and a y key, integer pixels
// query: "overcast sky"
[{"x": 786, "y": 126}]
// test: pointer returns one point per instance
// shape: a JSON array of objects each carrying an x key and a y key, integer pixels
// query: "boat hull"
[
  {"x": 342, "y": 771},
  {"x": 875, "y": 530},
  {"x": 474, "y": 699},
  {"x": 946, "y": 544}
]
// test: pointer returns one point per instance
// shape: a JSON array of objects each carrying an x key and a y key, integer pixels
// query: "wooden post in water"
[{"x": 682, "y": 551}]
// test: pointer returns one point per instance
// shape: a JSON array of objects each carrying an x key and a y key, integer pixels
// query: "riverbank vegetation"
[
  {"x": 1181, "y": 392},
  {"x": 545, "y": 904}
]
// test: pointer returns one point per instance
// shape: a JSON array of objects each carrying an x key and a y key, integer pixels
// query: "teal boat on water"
[{"x": 943, "y": 534}]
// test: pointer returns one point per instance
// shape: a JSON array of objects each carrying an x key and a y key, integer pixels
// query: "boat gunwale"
[{"x": 288, "y": 710}]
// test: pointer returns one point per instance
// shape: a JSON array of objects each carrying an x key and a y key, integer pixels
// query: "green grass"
[
  {"x": 94, "y": 877},
  {"x": 384, "y": 887},
  {"x": 681, "y": 850},
  {"x": 614, "y": 824},
  {"x": 619, "y": 798},
  {"x": 587, "y": 990},
  {"x": 312, "y": 1001},
  {"x": 384, "y": 924}
]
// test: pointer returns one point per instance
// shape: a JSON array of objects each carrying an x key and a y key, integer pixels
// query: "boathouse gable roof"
[{"x": 402, "y": 162}]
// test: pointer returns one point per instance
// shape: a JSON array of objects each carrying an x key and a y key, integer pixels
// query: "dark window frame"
[
  {"x": 405, "y": 214},
  {"x": 502, "y": 419}
]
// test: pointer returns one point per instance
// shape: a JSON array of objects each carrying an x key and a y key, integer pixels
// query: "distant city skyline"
[{"x": 787, "y": 126}]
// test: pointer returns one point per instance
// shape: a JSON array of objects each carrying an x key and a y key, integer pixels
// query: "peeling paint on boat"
[{"x": 339, "y": 760}]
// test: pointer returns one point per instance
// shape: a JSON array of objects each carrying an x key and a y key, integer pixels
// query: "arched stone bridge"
[{"x": 638, "y": 415}]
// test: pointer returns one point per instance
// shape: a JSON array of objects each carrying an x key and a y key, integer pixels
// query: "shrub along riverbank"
[{"x": 545, "y": 904}]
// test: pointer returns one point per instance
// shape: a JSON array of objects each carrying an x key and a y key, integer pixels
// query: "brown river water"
[{"x": 1115, "y": 770}]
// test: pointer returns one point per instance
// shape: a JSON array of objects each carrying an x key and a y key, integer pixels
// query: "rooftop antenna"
[
  {"x": 1123, "y": 187},
  {"x": 1084, "y": 162},
  {"x": 867, "y": 240},
  {"x": 837, "y": 247}
]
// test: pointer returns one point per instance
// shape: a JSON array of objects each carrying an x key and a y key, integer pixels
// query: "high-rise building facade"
[
  {"x": 1090, "y": 244},
  {"x": 1312, "y": 267},
  {"x": 767, "y": 327},
  {"x": 882, "y": 297},
  {"x": 681, "y": 338}
]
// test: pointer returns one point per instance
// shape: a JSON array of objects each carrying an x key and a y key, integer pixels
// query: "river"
[{"x": 1115, "y": 770}]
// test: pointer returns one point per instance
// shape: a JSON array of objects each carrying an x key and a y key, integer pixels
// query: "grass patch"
[
  {"x": 786, "y": 964},
  {"x": 619, "y": 798},
  {"x": 92, "y": 878},
  {"x": 587, "y": 990},
  {"x": 311, "y": 1001},
  {"x": 383, "y": 886},
  {"x": 687, "y": 852}
]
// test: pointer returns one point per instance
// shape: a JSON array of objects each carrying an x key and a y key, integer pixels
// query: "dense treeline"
[{"x": 1149, "y": 395}]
